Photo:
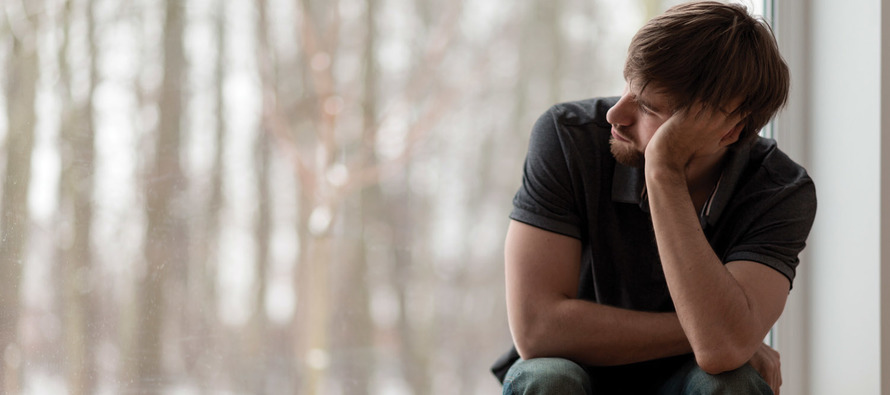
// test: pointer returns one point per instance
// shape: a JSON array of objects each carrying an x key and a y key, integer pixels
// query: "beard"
[{"x": 625, "y": 153}]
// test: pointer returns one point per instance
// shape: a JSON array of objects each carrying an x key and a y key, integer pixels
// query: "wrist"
[
  {"x": 662, "y": 156},
  {"x": 664, "y": 173}
]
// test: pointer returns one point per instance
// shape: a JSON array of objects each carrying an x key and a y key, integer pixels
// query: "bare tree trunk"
[
  {"x": 258, "y": 344},
  {"x": 302, "y": 274},
  {"x": 551, "y": 23},
  {"x": 313, "y": 323},
  {"x": 353, "y": 358},
  {"x": 21, "y": 86},
  {"x": 165, "y": 239},
  {"x": 201, "y": 321},
  {"x": 415, "y": 337},
  {"x": 314, "y": 277},
  {"x": 523, "y": 77},
  {"x": 76, "y": 207},
  {"x": 216, "y": 192},
  {"x": 281, "y": 365},
  {"x": 263, "y": 227},
  {"x": 353, "y": 331}
]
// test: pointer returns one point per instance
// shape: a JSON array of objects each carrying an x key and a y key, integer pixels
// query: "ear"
[{"x": 733, "y": 134}]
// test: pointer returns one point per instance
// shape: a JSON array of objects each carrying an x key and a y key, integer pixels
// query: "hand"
[
  {"x": 766, "y": 362},
  {"x": 696, "y": 131}
]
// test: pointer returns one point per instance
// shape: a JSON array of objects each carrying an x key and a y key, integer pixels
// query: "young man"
[{"x": 655, "y": 236}]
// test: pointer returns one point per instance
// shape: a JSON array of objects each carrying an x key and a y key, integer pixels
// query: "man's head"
[
  {"x": 711, "y": 53},
  {"x": 705, "y": 52}
]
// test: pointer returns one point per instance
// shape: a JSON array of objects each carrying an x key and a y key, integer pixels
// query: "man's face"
[{"x": 634, "y": 119}]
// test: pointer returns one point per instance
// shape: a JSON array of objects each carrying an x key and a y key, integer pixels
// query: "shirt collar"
[
  {"x": 726, "y": 186},
  {"x": 629, "y": 185}
]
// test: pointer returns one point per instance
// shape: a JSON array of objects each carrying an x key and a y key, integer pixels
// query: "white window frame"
[{"x": 787, "y": 336}]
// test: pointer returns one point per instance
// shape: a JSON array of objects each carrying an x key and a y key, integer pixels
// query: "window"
[{"x": 266, "y": 196}]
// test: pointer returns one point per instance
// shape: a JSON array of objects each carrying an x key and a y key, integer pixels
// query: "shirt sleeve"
[
  {"x": 778, "y": 235},
  {"x": 545, "y": 199}
]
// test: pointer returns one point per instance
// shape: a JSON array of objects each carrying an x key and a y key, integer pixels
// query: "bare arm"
[
  {"x": 547, "y": 320},
  {"x": 725, "y": 310}
]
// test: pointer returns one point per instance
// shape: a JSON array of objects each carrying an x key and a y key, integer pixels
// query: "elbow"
[
  {"x": 531, "y": 351},
  {"x": 717, "y": 366},
  {"x": 533, "y": 336},
  {"x": 725, "y": 352},
  {"x": 722, "y": 360},
  {"x": 528, "y": 341},
  {"x": 536, "y": 327}
]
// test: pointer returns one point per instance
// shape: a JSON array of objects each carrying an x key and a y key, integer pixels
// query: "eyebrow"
[
  {"x": 646, "y": 103},
  {"x": 643, "y": 102}
]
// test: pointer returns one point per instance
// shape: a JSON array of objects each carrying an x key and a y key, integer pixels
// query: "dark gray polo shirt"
[{"x": 761, "y": 210}]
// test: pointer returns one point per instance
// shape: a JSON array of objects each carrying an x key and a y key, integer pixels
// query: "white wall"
[
  {"x": 832, "y": 336},
  {"x": 885, "y": 202},
  {"x": 845, "y": 161}
]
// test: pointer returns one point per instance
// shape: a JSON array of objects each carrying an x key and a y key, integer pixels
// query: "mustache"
[{"x": 622, "y": 130}]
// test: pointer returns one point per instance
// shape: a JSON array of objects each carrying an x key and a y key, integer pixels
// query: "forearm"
[
  {"x": 713, "y": 309},
  {"x": 596, "y": 334},
  {"x": 547, "y": 319}
]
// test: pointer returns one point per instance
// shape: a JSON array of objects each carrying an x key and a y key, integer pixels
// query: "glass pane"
[{"x": 274, "y": 196}]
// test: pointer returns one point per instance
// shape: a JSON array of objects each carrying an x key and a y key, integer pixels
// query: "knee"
[
  {"x": 744, "y": 380},
  {"x": 546, "y": 376}
]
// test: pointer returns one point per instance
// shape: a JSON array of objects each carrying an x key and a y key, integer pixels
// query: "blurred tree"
[
  {"x": 75, "y": 254},
  {"x": 22, "y": 73},
  {"x": 353, "y": 330},
  {"x": 165, "y": 241},
  {"x": 550, "y": 20},
  {"x": 258, "y": 345},
  {"x": 416, "y": 335},
  {"x": 207, "y": 337},
  {"x": 258, "y": 326},
  {"x": 329, "y": 172}
]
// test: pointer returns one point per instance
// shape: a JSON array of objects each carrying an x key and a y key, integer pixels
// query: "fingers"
[
  {"x": 695, "y": 131},
  {"x": 772, "y": 366},
  {"x": 767, "y": 363},
  {"x": 715, "y": 117}
]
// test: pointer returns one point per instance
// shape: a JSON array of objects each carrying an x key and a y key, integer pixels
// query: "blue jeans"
[{"x": 561, "y": 376}]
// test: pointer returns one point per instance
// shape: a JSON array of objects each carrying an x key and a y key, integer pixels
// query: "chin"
[{"x": 625, "y": 154}]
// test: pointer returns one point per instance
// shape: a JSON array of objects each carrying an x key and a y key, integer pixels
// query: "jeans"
[{"x": 561, "y": 376}]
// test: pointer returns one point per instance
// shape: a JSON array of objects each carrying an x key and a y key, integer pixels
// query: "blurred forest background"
[{"x": 273, "y": 196}]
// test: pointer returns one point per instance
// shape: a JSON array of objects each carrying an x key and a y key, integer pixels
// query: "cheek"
[{"x": 647, "y": 129}]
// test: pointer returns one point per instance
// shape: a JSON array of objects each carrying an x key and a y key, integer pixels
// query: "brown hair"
[{"x": 712, "y": 53}]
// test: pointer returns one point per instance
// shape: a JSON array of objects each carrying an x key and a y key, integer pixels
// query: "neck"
[{"x": 702, "y": 175}]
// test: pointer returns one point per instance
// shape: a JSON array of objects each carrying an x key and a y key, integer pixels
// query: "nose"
[{"x": 622, "y": 112}]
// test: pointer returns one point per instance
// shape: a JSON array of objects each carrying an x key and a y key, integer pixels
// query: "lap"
[
  {"x": 546, "y": 376},
  {"x": 562, "y": 376},
  {"x": 691, "y": 380}
]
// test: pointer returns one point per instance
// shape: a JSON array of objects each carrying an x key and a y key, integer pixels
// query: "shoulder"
[
  {"x": 582, "y": 112},
  {"x": 771, "y": 211},
  {"x": 567, "y": 160},
  {"x": 773, "y": 168},
  {"x": 574, "y": 126},
  {"x": 773, "y": 179}
]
